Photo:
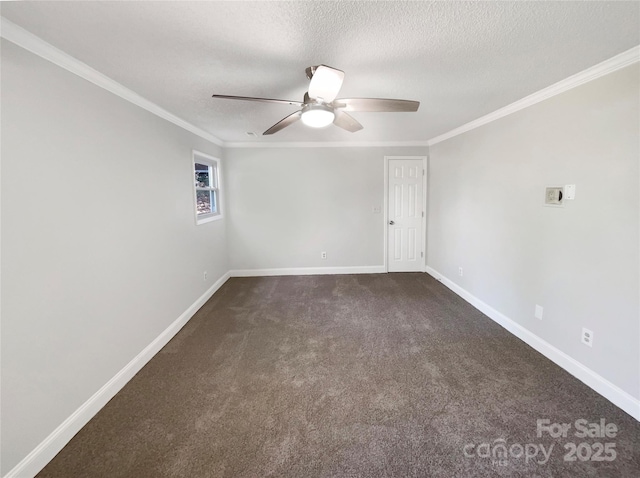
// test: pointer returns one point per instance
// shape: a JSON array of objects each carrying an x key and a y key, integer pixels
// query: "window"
[{"x": 206, "y": 187}]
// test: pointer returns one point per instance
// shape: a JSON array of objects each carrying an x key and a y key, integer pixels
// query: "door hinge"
[
  {"x": 423, "y": 172},
  {"x": 422, "y": 213},
  {"x": 422, "y": 254}
]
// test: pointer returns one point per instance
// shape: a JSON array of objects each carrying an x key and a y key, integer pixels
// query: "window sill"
[{"x": 206, "y": 219}]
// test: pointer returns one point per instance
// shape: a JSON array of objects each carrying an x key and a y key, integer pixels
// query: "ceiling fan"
[{"x": 321, "y": 108}]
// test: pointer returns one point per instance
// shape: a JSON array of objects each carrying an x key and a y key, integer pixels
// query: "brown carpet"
[{"x": 345, "y": 376}]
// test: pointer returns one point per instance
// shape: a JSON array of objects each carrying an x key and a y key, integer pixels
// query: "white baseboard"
[
  {"x": 50, "y": 446},
  {"x": 608, "y": 390},
  {"x": 305, "y": 271}
]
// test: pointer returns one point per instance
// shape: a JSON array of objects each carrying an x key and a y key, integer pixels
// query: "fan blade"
[
  {"x": 284, "y": 122},
  {"x": 263, "y": 100},
  {"x": 345, "y": 121},
  {"x": 375, "y": 104},
  {"x": 325, "y": 83}
]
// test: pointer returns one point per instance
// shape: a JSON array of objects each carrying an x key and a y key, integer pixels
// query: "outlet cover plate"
[
  {"x": 538, "y": 312},
  {"x": 587, "y": 337}
]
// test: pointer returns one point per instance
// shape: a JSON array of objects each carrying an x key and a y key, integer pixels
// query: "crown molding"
[
  {"x": 617, "y": 62},
  {"x": 24, "y": 39},
  {"x": 329, "y": 144},
  {"x": 21, "y": 37}
]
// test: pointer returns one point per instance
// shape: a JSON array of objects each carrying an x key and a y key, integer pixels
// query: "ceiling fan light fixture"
[
  {"x": 317, "y": 116},
  {"x": 319, "y": 107}
]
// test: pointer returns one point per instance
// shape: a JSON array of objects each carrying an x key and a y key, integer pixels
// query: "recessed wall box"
[{"x": 554, "y": 196}]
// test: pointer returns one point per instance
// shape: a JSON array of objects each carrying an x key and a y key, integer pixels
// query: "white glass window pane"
[
  {"x": 203, "y": 202},
  {"x": 202, "y": 175}
]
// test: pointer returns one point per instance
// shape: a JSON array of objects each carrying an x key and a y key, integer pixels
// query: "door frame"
[{"x": 386, "y": 208}]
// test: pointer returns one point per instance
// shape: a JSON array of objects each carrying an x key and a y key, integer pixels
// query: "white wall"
[
  {"x": 100, "y": 251},
  {"x": 286, "y": 205},
  {"x": 579, "y": 262}
]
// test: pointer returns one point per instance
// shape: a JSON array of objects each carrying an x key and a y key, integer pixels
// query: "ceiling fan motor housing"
[{"x": 310, "y": 70}]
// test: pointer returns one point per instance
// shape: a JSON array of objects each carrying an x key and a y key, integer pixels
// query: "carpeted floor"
[{"x": 346, "y": 376}]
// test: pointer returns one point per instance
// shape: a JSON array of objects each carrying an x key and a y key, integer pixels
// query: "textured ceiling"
[{"x": 461, "y": 60}]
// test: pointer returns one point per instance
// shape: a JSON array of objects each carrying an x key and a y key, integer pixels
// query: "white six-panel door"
[{"x": 405, "y": 215}]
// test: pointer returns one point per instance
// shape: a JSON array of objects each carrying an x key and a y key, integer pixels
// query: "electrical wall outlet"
[
  {"x": 204, "y": 276},
  {"x": 323, "y": 255},
  {"x": 377, "y": 209},
  {"x": 460, "y": 271},
  {"x": 587, "y": 337},
  {"x": 538, "y": 312}
]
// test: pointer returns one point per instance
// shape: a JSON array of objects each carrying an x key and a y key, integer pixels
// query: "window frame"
[{"x": 198, "y": 157}]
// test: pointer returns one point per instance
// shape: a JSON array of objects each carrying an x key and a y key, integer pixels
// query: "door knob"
[{"x": 391, "y": 223}]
